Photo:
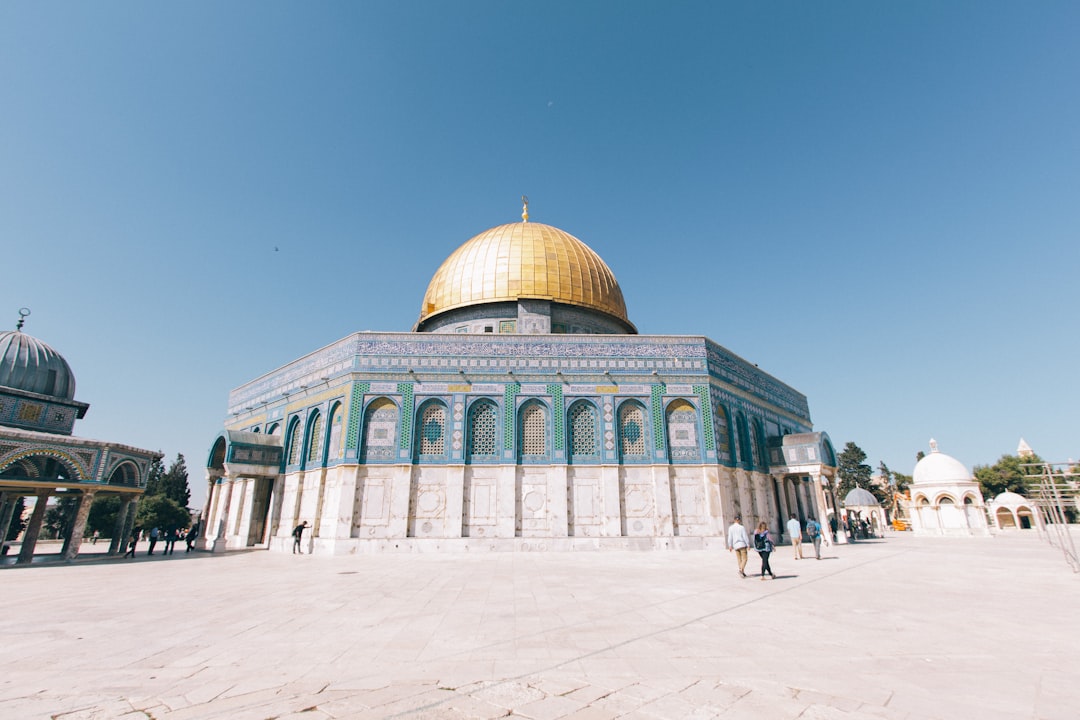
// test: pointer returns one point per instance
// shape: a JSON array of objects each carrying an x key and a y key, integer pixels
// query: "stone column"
[
  {"x": 8, "y": 501},
  {"x": 780, "y": 490},
  {"x": 119, "y": 540},
  {"x": 218, "y": 541},
  {"x": 33, "y": 528},
  {"x": 79, "y": 526}
]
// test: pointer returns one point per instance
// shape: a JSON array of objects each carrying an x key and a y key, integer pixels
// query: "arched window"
[
  {"x": 723, "y": 429},
  {"x": 533, "y": 429},
  {"x": 314, "y": 441},
  {"x": 762, "y": 456},
  {"x": 380, "y": 431},
  {"x": 583, "y": 432},
  {"x": 632, "y": 432},
  {"x": 746, "y": 449},
  {"x": 483, "y": 430},
  {"x": 124, "y": 474},
  {"x": 294, "y": 442},
  {"x": 431, "y": 440},
  {"x": 333, "y": 447},
  {"x": 275, "y": 429},
  {"x": 682, "y": 435},
  {"x": 945, "y": 500}
]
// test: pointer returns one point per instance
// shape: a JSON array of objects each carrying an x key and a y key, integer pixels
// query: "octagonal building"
[{"x": 523, "y": 411}]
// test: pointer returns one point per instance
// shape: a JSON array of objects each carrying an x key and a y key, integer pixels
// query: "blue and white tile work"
[{"x": 705, "y": 410}]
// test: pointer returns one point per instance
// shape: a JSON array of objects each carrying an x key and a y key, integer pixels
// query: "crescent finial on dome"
[
  {"x": 933, "y": 445},
  {"x": 525, "y": 208}
]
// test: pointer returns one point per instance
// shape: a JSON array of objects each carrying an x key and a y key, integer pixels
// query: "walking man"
[
  {"x": 298, "y": 534},
  {"x": 813, "y": 529},
  {"x": 794, "y": 530},
  {"x": 739, "y": 541}
]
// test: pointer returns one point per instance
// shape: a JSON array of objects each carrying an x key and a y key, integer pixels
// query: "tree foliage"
[
  {"x": 853, "y": 472},
  {"x": 18, "y": 523},
  {"x": 903, "y": 482},
  {"x": 174, "y": 483},
  {"x": 153, "y": 477},
  {"x": 1006, "y": 475},
  {"x": 161, "y": 512},
  {"x": 60, "y": 517},
  {"x": 103, "y": 515}
]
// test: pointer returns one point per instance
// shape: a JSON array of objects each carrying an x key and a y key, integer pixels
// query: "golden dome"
[{"x": 524, "y": 260}]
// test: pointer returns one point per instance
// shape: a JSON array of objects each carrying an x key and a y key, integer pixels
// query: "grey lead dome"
[{"x": 28, "y": 364}]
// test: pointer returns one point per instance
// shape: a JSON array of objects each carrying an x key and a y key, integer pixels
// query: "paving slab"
[{"x": 897, "y": 629}]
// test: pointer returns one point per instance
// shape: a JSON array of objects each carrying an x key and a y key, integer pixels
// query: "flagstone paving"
[{"x": 898, "y": 629}]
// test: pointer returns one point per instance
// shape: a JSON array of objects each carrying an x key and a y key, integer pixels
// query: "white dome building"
[
  {"x": 1012, "y": 511},
  {"x": 945, "y": 498}
]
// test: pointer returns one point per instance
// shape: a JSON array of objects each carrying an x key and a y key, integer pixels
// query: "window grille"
[
  {"x": 583, "y": 429},
  {"x": 315, "y": 441},
  {"x": 533, "y": 430},
  {"x": 482, "y": 429},
  {"x": 294, "y": 444},
  {"x": 632, "y": 429},
  {"x": 432, "y": 430},
  {"x": 334, "y": 451}
]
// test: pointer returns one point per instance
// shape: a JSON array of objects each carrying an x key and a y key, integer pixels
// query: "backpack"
[
  {"x": 759, "y": 542},
  {"x": 813, "y": 529}
]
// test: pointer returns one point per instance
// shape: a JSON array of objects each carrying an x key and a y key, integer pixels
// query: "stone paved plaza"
[{"x": 898, "y": 628}]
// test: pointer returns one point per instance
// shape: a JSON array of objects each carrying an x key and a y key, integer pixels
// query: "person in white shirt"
[
  {"x": 739, "y": 541},
  {"x": 794, "y": 531}
]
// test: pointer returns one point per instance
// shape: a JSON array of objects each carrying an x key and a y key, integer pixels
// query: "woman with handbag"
[{"x": 764, "y": 546}]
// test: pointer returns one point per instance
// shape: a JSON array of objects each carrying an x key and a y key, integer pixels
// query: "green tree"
[
  {"x": 161, "y": 512},
  {"x": 174, "y": 483},
  {"x": 853, "y": 472},
  {"x": 18, "y": 523},
  {"x": 153, "y": 477},
  {"x": 1006, "y": 475},
  {"x": 903, "y": 482},
  {"x": 103, "y": 515},
  {"x": 60, "y": 517}
]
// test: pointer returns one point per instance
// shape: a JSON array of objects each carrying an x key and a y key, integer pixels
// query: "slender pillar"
[
  {"x": 8, "y": 501},
  {"x": 118, "y": 540},
  {"x": 78, "y": 528},
  {"x": 33, "y": 528},
  {"x": 128, "y": 523},
  {"x": 219, "y": 541}
]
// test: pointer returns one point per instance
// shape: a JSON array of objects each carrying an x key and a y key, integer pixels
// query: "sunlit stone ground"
[{"x": 898, "y": 628}]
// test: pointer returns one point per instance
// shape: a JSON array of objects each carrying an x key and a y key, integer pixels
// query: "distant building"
[
  {"x": 39, "y": 456},
  {"x": 523, "y": 411}
]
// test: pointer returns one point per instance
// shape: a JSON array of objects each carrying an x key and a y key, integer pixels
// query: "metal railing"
[{"x": 1054, "y": 488}]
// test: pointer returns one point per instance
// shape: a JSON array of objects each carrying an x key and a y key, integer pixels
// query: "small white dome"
[
  {"x": 1011, "y": 500},
  {"x": 859, "y": 497},
  {"x": 938, "y": 468}
]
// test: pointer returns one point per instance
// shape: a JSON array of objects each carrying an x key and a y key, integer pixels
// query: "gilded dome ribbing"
[{"x": 522, "y": 261}]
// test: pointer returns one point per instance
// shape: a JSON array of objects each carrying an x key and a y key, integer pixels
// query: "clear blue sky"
[{"x": 878, "y": 203}]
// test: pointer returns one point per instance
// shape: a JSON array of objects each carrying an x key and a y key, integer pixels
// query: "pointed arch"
[
  {"x": 681, "y": 421},
  {"x": 380, "y": 431},
  {"x": 483, "y": 431},
  {"x": 583, "y": 422},
  {"x": 534, "y": 439},
  {"x": 334, "y": 446},
  {"x": 633, "y": 432},
  {"x": 314, "y": 442},
  {"x": 294, "y": 441},
  {"x": 431, "y": 442}
]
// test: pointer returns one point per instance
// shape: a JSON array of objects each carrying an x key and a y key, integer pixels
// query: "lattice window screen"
[
  {"x": 533, "y": 430},
  {"x": 583, "y": 429},
  {"x": 632, "y": 429},
  {"x": 482, "y": 429},
  {"x": 432, "y": 430}
]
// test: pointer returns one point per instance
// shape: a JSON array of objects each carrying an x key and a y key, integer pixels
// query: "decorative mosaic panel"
[
  {"x": 682, "y": 432},
  {"x": 583, "y": 429},
  {"x": 334, "y": 451},
  {"x": 511, "y": 392},
  {"x": 632, "y": 430},
  {"x": 352, "y": 437},
  {"x": 533, "y": 430},
  {"x": 380, "y": 431},
  {"x": 407, "y": 410},
  {"x": 658, "y": 415},
  {"x": 483, "y": 418},
  {"x": 295, "y": 441},
  {"x": 315, "y": 438},
  {"x": 433, "y": 429},
  {"x": 702, "y": 391},
  {"x": 555, "y": 390}
]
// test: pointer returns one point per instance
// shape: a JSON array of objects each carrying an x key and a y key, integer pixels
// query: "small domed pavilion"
[
  {"x": 945, "y": 498},
  {"x": 39, "y": 456}
]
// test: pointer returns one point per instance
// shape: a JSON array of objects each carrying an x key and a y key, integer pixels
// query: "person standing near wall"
[{"x": 764, "y": 546}]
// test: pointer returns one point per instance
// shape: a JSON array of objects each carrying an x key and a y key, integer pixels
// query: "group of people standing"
[
  {"x": 738, "y": 541},
  {"x": 170, "y": 537}
]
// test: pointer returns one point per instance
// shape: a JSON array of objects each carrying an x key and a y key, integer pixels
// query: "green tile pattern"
[
  {"x": 352, "y": 437},
  {"x": 559, "y": 418},
  {"x": 509, "y": 414},
  {"x": 407, "y": 411},
  {"x": 702, "y": 391},
  {"x": 658, "y": 391}
]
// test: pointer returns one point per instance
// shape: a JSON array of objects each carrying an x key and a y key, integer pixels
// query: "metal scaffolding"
[{"x": 1055, "y": 488}]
